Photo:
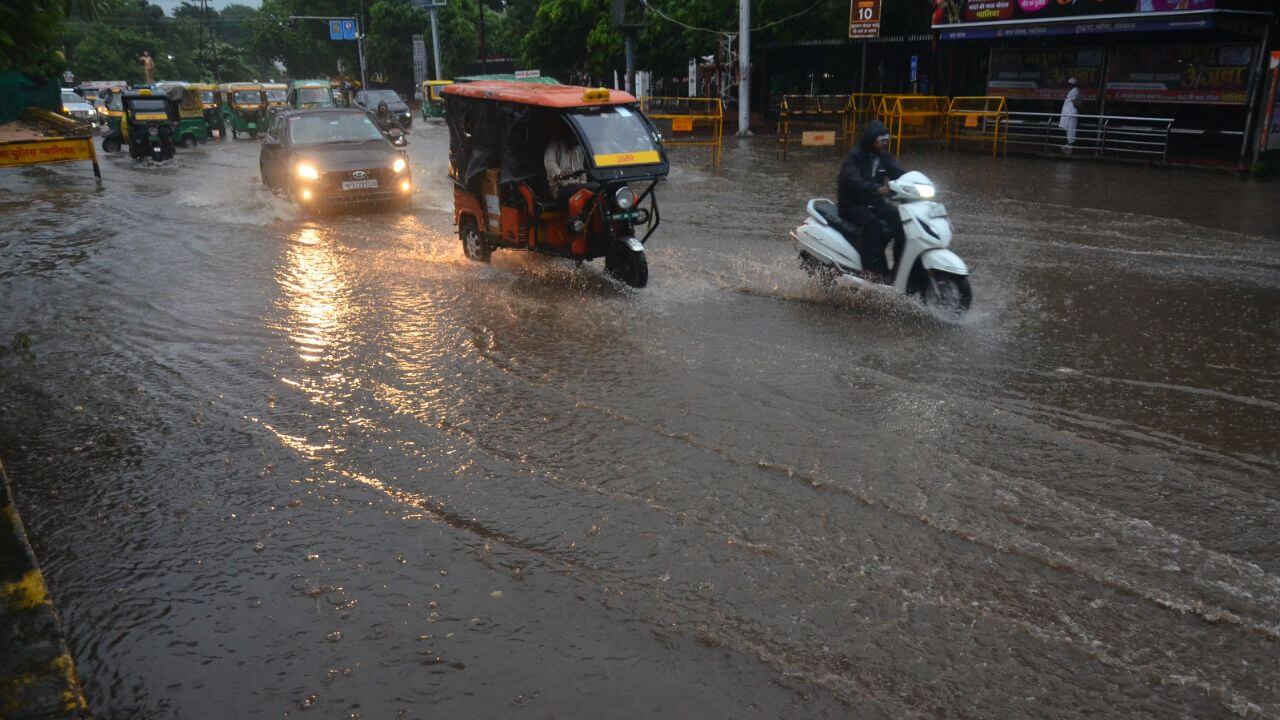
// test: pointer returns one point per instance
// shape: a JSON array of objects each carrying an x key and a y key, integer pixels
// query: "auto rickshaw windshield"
[
  {"x": 615, "y": 131},
  {"x": 332, "y": 127},
  {"x": 278, "y": 96},
  {"x": 314, "y": 96},
  {"x": 247, "y": 97},
  {"x": 206, "y": 97},
  {"x": 146, "y": 106}
]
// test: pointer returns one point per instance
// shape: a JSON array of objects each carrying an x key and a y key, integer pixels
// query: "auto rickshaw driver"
[{"x": 565, "y": 165}]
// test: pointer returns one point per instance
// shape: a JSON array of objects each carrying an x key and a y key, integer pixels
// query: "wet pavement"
[{"x": 276, "y": 466}]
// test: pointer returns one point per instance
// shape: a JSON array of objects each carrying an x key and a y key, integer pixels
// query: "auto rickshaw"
[
  {"x": 111, "y": 111},
  {"x": 209, "y": 105},
  {"x": 148, "y": 123},
  {"x": 192, "y": 127},
  {"x": 498, "y": 134},
  {"x": 308, "y": 94},
  {"x": 432, "y": 100},
  {"x": 244, "y": 109},
  {"x": 277, "y": 95}
]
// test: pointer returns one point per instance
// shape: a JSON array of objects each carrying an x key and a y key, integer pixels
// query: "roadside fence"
[
  {"x": 821, "y": 121},
  {"x": 1096, "y": 135},
  {"x": 980, "y": 120},
  {"x": 688, "y": 122}
]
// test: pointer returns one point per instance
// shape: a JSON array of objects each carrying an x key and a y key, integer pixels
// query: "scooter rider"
[
  {"x": 861, "y": 193},
  {"x": 384, "y": 119}
]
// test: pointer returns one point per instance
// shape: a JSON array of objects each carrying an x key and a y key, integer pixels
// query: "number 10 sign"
[{"x": 864, "y": 18}]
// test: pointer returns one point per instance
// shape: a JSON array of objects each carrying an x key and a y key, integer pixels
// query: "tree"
[{"x": 389, "y": 49}]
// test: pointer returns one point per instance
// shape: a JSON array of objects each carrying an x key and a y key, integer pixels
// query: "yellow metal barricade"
[
  {"x": 913, "y": 117},
  {"x": 862, "y": 109},
  {"x": 821, "y": 120},
  {"x": 688, "y": 121},
  {"x": 978, "y": 119}
]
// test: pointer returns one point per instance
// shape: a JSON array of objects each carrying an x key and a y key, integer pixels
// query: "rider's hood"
[{"x": 874, "y": 130}]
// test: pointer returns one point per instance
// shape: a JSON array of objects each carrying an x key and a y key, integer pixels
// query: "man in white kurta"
[{"x": 1070, "y": 111}]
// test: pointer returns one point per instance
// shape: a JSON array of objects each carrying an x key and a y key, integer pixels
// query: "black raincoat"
[{"x": 863, "y": 172}]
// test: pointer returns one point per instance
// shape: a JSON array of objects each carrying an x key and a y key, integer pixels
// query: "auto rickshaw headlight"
[
  {"x": 625, "y": 198},
  {"x": 399, "y": 165},
  {"x": 307, "y": 171},
  {"x": 153, "y": 131}
]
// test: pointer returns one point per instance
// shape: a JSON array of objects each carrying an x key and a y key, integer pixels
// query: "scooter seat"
[{"x": 832, "y": 217}]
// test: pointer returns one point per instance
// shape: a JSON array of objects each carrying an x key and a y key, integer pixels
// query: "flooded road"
[{"x": 277, "y": 466}]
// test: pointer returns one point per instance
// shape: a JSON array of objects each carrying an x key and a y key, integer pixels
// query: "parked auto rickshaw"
[
  {"x": 147, "y": 126},
  {"x": 499, "y": 133},
  {"x": 432, "y": 100},
  {"x": 308, "y": 94},
  {"x": 244, "y": 109},
  {"x": 192, "y": 127}
]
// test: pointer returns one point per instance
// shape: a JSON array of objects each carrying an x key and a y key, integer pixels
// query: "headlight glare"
[
  {"x": 925, "y": 191},
  {"x": 399, "y": 165},
  {"x": 307, "y": 171}
]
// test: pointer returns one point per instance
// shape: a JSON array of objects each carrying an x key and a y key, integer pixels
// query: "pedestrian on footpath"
[{"x": 1070, "y": 111}]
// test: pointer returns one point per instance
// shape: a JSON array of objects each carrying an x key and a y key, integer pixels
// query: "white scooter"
[{"x": 927, "y": 268}]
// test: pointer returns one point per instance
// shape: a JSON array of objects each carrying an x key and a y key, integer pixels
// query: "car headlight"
[
  {"x": 925, "y": 191},
  {"x": 307, "y": 171},
  {"x": 399, "y": 165},
  {"x": 625, "y": 198}
]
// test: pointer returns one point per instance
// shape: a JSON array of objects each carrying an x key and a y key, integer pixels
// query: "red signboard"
[
  {"x": 953, "y": 12},
  {"x": 1189, "y": 73},
  {"x": 864, "y": 18},
  {"x": 1042, "y": 73}
]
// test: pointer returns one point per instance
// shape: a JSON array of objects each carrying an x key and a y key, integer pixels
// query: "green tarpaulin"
[{"x": 17, "y": 92}]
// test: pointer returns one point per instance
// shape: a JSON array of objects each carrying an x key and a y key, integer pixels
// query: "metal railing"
[{"x": 1096, "y": 135}]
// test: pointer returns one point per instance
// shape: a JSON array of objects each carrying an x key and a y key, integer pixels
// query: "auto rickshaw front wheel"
[
  {"x": 188, "y": 141},
  {"x": 111, "y": 145},
  {"x": 627, "y": 265},
  {"x": 474, "y": 246}
]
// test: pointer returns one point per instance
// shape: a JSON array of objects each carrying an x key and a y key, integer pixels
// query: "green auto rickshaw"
[
  {"x": 111, "y": 111},
  {"x": 209, "y": 105},
  {"x": 193, "y": 129},
  {"x": 244, "y": 109},
  {"x": 432, "y": 100},
  {"x": 307, "y": 94}
]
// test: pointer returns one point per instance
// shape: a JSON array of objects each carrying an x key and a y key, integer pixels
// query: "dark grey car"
[
  {"x": 369, "y": 99},
  {"x": 329, "y": 157}
]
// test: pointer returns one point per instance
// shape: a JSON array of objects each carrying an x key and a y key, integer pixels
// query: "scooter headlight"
[
  {"x": 925, "y": 191},
  {"x": 625, "y": 198},
  {"x": 307, "y": 171}
]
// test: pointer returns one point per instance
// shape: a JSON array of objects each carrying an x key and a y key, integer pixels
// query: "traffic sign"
[
  {"x": 335, "y": 29},
  {"x": 864, "y": 18},
  {"x": 348, "y": 29}
]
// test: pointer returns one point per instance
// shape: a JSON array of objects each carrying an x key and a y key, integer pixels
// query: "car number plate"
[{"x": 359, "y": 184}]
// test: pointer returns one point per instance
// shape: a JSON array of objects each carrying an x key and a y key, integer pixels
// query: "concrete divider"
[{"x": 37, "y": 675}]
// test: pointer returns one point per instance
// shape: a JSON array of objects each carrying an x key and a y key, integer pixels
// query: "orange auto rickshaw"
[{"x": 499, "y": 137}]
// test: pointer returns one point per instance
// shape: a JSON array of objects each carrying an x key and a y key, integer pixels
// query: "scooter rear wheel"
[{"x": 820, "y": 271}]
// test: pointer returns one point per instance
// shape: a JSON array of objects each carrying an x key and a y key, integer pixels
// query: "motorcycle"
[{"x": 924, "y": 266}]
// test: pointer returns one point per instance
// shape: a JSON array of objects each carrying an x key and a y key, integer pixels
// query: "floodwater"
[{"x": 278, "y": 467}]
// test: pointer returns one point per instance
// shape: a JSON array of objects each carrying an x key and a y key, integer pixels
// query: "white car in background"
[{"x": 73, "y": 105}]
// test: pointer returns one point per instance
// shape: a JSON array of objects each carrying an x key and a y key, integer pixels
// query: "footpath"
[{"x": 37, "y": 676}]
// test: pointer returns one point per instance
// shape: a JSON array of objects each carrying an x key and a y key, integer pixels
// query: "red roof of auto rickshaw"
[{"x": 552, "y": 96}]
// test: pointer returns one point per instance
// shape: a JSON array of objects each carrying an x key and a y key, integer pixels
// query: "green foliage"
[
  {"x": 29, "y": 34},
  {"x": 392, "y": 25}
]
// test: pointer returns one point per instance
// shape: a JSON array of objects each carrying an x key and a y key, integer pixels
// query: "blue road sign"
[
  {"x": 915, "y": 63},
  {"x": 348, "y": 29},
  {"x": 335, "y": 29}
]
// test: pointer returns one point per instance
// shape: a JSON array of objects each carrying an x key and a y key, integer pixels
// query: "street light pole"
[
  {"x": 744, "y": 68},
  {"x": 435, "y": 41}
]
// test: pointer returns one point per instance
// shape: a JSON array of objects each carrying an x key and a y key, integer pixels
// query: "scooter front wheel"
[{"x": 948, "y": 293}]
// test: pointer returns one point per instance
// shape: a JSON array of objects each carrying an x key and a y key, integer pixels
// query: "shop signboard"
[
  {"x": 864, "y": 18},
  {"x": 956, "y": 12},
  {"x": 1203, "y": 74},
  {"x": 1042, "y": 73}
]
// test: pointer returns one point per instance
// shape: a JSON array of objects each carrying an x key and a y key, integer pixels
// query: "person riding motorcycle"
[{"x": 861, "y": 196}]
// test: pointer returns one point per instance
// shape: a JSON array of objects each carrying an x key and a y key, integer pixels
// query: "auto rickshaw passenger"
[{"x": 565, "y": 167}]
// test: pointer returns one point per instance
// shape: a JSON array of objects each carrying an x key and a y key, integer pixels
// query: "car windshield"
[
  {"x": 315, "y": 96},
  {"x": 247, "y": 97},
  {"x": 277, "y": 96},
  {"x": 616, "y": 133},
  {"x": 150, "y": 106},
  {"x": 332, "y": 127},
  {"x": 387, "y": 96},
  {"x": 71, "y": 97}
]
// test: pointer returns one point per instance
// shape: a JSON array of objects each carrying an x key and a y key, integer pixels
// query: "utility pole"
[
  {"x": 435, "y": 40},
  {"x": 744, "y": 68},
  {"x": 483, "y": 65}
]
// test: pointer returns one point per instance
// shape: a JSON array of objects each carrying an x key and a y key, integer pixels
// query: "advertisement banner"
[
  {"x": 1042, "y": 73},
  {"x": 1202, "y": 74},
  {"x": 1271, "y": 126},
  {"x": 864, "y": 18},
  {"x": 954, "y": 12}
]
